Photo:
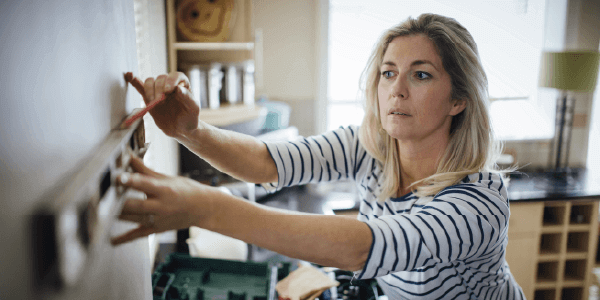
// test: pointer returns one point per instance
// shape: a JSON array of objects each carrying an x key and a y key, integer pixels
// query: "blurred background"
[{"x": 279, "y": 69}]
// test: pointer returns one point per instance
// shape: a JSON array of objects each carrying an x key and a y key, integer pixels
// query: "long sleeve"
[
  {"x": 328, "y": 157},
  {"x": 458, "y": 237}
]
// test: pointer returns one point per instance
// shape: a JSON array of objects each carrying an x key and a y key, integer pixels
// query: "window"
[{"x": 509, "y": 35}]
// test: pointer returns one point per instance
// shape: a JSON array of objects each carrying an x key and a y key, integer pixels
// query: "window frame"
[{"x": 541, "y": 101}]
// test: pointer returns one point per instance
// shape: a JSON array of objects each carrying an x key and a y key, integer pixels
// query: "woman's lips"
[{"x": 398, "y": 112}]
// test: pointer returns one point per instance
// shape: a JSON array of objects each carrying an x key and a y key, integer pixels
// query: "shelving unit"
[
  {"x": 552, "y": 247},
  {"x": 239, "y": 47},
  {"x": 213, "y": 46}
]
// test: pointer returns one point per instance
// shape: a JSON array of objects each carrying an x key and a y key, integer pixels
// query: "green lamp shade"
[{"x": 571, "y": 70}]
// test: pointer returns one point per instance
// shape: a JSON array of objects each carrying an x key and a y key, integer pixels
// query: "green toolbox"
[{"x": 182, "y": 277}]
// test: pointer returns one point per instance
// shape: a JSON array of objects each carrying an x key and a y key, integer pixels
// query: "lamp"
[{"x": 567, "y": 71}]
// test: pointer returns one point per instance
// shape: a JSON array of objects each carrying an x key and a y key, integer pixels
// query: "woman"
[{"x": 433, "y": 216}]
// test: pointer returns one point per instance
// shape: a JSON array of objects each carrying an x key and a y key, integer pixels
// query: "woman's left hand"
[{"x": 173, "y": 202}]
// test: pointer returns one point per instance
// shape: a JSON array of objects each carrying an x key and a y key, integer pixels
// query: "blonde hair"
[{"x": 471, "y": 146}]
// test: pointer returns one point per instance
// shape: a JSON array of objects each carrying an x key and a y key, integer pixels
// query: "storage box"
[{"x": 189, "y": 278}]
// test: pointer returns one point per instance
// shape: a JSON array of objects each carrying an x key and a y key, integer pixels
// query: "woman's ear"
[{"x": 457, "y": 107}]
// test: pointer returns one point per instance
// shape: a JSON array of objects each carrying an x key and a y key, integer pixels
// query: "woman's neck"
[{"x": 418, "y": 160}]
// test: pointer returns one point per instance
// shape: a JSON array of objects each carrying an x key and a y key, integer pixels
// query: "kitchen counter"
[
  {"x": 577, "y": 184},
  {"x": 545, "y": 186}
]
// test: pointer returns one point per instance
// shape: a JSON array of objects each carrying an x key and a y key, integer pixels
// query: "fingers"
[
  {"x": 152, "y": 89},
  {"x": 187, "y": 98},
  {"x": 159, "y": 86},
  {"x": 149, "y": 90},
  {"x": 134, "y": 207},
  {"x": 134, "y": 218},
  {"x": 143, "y": 220},
  {"x": 138, "y": 85},
  {"x": 128, "y": 77},
  {"x": 140, "y": 182},
  {"x": 137, "y": 164},
  {"x": 175, "y": 79},
  {"x": 137, "y": 233}
]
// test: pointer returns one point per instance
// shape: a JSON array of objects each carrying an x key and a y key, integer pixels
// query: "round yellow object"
[{"x": 205, "y": 20}]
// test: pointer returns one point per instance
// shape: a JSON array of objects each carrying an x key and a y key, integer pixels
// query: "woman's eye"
[
  {"x": 387, "y": 74},
  {"x": 422, "y": 75}
]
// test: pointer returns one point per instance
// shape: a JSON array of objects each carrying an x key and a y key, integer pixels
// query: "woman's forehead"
[{"x": 404, "y": 50}]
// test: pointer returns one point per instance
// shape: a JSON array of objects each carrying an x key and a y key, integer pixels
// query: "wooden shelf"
[
  {"x": 576, "y": 255},
  {"x": 550, "y": 243},
  {"x": 547, "y": 272},
  {"x": 575, "y": 270},
  {"x": 579, "y": 227},
  {"x": 577, "y": 242},
  {"x": 239, "y": 45},
  {"x": 552, "y": 229},
  {"x": 581, "y": 214},
  {"x": 573, "y": 293},
  {"x": 567, "y": 282},
  {"x": 545, "y": 284},
  {"x": 545, "y": 294},
  {"x": 213, "y": 46},
  {"x": 546, "y": 257},
  {"x": 232, "y": 114},
  {"x": 554, "y": 214},
  {"x": 560, "y": 242}
]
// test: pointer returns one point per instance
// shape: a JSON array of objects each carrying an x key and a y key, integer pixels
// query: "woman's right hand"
[
  {"x": 178, "y": 114},
  {"x": 172, "y": 202}
]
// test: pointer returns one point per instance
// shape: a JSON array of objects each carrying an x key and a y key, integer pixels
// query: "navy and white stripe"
[{"x": 450, "y": 246}]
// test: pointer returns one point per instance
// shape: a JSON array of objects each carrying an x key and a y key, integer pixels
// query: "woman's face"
[{"x": 414, "y": 91}]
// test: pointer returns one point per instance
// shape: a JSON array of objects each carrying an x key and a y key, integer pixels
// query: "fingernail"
[
  {"x": 124, "y": 178},
  {"x": 167, "y": 86}
]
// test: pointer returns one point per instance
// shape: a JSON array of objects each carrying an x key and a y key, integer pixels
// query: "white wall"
[
  {"x": 151, "y": 37},
  {"x": 290, "y": 56},
  {"x": 570, "y": 24},
  {"x": 592, "y": 17},
  {"x": 584, "y": 34},
  {"x": 63, "y": 91}
]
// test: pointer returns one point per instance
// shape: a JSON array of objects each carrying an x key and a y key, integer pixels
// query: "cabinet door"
[{"x": 523, "y": 243}]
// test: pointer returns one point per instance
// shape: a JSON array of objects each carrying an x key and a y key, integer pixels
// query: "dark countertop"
[
  {"x": 572, "y": 184},
  {"x": 325, "y": 198}
]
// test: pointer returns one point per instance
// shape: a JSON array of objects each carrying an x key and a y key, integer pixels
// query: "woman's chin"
[{"x": 400, "y": 135}]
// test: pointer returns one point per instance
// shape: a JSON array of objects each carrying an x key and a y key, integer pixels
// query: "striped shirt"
[{"x": 450, "y": 246}]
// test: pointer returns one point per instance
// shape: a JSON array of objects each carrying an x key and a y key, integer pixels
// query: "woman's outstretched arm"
[
  {"x": 178, "y": 202},
  {"x": 241, "y": 156}
]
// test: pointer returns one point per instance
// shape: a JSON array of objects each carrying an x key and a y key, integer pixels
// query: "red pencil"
[
  {"x": 142, "y": 112},
  {"x": 132, "y": 118}
]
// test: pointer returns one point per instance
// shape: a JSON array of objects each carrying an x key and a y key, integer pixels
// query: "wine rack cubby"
[{"x": 552, "y": 247}]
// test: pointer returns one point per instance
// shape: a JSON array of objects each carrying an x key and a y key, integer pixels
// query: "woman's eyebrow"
[
  {"x": 414, "y": 63},
  {"x": 422, "y": 62},
  {"x": 389, "y": 63}
]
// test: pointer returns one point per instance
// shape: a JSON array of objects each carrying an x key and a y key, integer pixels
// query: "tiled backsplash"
[{"x": 535, "y": 154}]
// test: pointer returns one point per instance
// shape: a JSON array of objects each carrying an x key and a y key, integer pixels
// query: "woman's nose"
[{"x": 399, "y": 88}]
